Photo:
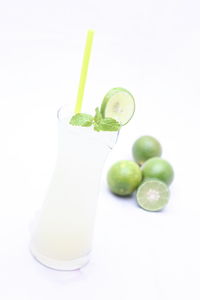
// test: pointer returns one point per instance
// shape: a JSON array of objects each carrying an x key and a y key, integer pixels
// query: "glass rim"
[{"x": 59, "y": 113}]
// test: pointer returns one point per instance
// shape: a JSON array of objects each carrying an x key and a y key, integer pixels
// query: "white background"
[{"x": 149, "y": 47}]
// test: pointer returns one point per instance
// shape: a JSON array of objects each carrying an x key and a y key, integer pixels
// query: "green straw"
[{"x": 84, "y": 70}]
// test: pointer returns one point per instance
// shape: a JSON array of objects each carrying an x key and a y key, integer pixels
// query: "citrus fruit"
[
  {"x": 152, "y": 195},
  {"x": 124, "y": 177},
  {"x": 146, "y": 147},
  {"x": 158, "y": 168},
  {"x": 118, "y": 104}
]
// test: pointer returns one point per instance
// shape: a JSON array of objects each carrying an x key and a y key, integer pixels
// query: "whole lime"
[
  {"x": 159, "y": 168},
  {"x": 146, "y": 147},
  {"x": 124, "y": 177}
]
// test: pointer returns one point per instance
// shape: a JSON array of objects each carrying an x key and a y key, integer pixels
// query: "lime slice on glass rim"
[
  {"x": 118, "y": 104},
  {"x": 152, "y": 195}
]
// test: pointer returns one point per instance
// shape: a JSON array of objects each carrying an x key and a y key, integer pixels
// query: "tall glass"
[{"x": 63, "y": 235}]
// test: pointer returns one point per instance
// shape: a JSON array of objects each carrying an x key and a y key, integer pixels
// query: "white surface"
[{"x": 149, "y": 47}]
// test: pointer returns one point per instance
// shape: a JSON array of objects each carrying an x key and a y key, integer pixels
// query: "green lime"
[
  {"x": 152, "y": 195},
  {"x": 146, "y": 147},
  {"x": 158, "y": 168},
  {"x": 124, "y": 177},
  {"x": 118, "y": 104}
]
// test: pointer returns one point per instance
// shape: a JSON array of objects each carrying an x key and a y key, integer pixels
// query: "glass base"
[{"x": 68, "y": 265}]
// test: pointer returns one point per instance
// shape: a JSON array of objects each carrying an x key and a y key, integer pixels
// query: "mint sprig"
[
  {"x": 80, "y": 119},
  {"x": 99, "y": 123},
  {"x": 108, "y": 124}
]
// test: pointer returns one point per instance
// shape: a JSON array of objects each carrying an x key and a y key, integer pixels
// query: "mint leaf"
[
  {"x": 81, "y": 119},
  {"x": 108, "y": 124},
  {"x": 98, "y": 116}
]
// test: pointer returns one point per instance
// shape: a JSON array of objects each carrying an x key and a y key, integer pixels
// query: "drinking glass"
[{"x": 62, "y": 238}]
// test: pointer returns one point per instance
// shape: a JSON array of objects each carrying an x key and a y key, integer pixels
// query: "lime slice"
[
  {"x": 152, "y": 195},
  {"x": 118, "y": 104}
]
